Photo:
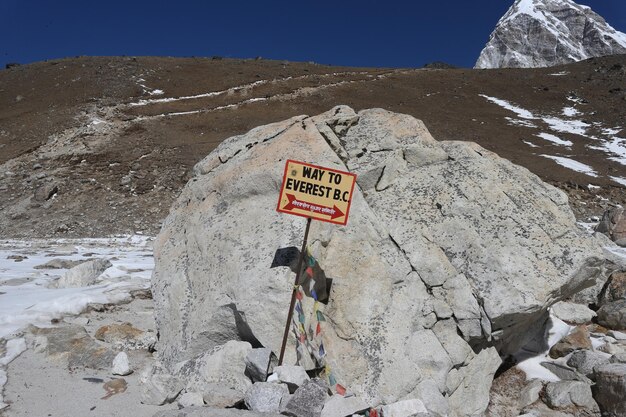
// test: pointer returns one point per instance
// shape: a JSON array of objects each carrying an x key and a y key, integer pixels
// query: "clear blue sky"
[{"x": 360, "y": 33}]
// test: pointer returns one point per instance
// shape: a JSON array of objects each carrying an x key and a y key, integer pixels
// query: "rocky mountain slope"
[
  {"x": 544, "y": 33},
  {"x": 95, "y": 146}
]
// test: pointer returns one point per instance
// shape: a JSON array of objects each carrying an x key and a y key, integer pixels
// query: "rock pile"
[{"x": 452, "y": 258}]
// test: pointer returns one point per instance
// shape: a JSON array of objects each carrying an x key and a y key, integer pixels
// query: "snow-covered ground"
[
  {"x": 27, "y": 294},
  {"x": 568, "y": 121}
]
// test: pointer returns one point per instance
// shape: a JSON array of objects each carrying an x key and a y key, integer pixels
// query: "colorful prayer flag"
[
  {"x": 320, "y": 316},
  {"x": 340, "y": 389},
  {"x": 318, "y": 330}
]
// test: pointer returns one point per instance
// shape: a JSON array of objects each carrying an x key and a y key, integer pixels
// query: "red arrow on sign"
[{"x": 293, "y": 203}]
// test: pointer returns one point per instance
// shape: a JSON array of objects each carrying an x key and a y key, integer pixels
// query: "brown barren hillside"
[{"x": 93, "y": 146}]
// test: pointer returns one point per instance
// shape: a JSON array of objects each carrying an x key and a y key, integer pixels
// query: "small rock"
[
  {"x": 530, "y": 393},
  {"x": 45, "y": 192},
  {"x": 576, "y": 340},
  {"x": 614, "y": 289},
  {"x": 125, "y": 336},
  {"x": 308, "y": 400},
  {"x": 573, "y": 313},
  {"x": 114, "y": 386},
  {"x": 564, "y": 394},
  {"x": 259, "y": 363},
  {"x": 585, "y": 360},
  {"x": 340, "y": 406},
  {"x": 617, "y": 335},
  {"x": 404, "y": 408},
  {"x": 158, "y": 387},
  {"x": 121, "y": 365},
  {"x": 618, "y": 358},
  {"x": 613, "y": 224},
  {"x": 217, "y": 395},
  {"x": 613, "y": 315},
  {"x": 224, "y": 365},
  {"x": 428, "y": 392},
  {"x": 190, "y": 399},
  {"x": 564, "y": 372},
  {"x": 611, "y": 389},
  {"x": 266, "y": 397},
  {"x": 84, "y": 274},
  {"x": 73, "y": 343},
  {"x": 58, "y": 263},
  {"x": 293, "y": 376}
]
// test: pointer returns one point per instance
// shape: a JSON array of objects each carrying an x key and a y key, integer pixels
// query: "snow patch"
[
  {"x": 518, "y": 122},
  {"x": 532, "y": 145},
  {"x": 570, "y": 111},
  {"x": 554, "y": 139},
  {"x": 25, "y": 296},
  {"x": 619, "y": 180},
  {"x": 575, "y": 127},
  {"x": 573, "y": 165},
  {"x": 523, "y": 113}
]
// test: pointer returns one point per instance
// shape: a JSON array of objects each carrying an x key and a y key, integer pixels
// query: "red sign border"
[{"x": 282, "y": 190}]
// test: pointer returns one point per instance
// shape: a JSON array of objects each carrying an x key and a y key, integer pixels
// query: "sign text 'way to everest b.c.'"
[{"x": 317, "y": 192}]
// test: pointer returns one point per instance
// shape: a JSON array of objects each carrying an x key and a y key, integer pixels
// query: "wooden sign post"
[{"x": 318, "y": 193}]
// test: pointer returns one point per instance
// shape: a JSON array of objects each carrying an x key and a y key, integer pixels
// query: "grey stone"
[
  {"x": 259, "y": 363},
  {"x": 224, "y": 365},
  {"x": 125, "y": 336},
  {"x": 613, "y": 224},
  {"x": 573, "y": 312},
  {"x": 190, "y": 399},
  {"x": 530, "y": 393},
  {"x": 266, "y": 397},
  {"x": 617, "y": 335},
  {"x": 428, "y": 392},
  {"x": 121, "y": 366},
  {"x": 471, "y": 397},
  {"x": 564, "y": 394},
  {"x": 458, "y": 350},
  {"x": 73, "y": 345},
  {"x": 84, "y": 274},
  {"x": 217, "y": 395},
  {"x": 613, "y": 315},
  {"x": 565, "y": 373},
  {"x": 59, "y": 263},
  {"x": 611, "y": 389},
  {"x": 340, "y": 406},
  {"x": 442, "y": 309},
  {"x": 293, "y": 376},
  {"x": 475, "y": 210},
  {"x": 213, "y": 412},
  {"x": 546, "y": 33},
  {"x": 158, "y": 387},
  {"x": 614, "y": 289},
  {"x": 45, "y": 192},
  {"x": 308, "y": 400},
  {"x": 585, "y": 360},
  {"x": 618, "y": 358},
  {"x": 404, "y": 408}
]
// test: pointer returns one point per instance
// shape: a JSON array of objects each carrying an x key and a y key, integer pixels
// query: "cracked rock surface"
[{"x": 450, "y": 256}]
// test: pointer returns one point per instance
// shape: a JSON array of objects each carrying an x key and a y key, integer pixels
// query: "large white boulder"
[{"x": 439, "y": 232}]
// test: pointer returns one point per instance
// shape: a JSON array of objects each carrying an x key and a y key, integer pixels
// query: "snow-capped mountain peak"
[{"x": 543, "y": 33}]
